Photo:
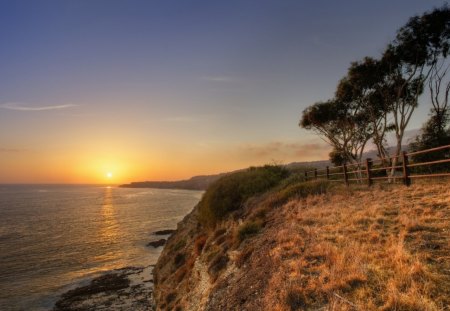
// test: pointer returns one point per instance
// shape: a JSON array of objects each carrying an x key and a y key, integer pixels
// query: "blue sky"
[{"x": 176, "y": 83}]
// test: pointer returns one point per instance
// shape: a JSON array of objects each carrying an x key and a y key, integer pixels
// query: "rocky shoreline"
[{"x": 129, "y": 288}]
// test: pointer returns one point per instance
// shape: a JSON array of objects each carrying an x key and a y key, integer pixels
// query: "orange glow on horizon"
[{"x": 119, "y": 163}]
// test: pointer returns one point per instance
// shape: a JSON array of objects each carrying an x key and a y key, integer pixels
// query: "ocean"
[{"x": 53, "y": 237}]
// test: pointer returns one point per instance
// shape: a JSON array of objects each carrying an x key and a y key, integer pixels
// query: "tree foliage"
[
  {"x": 380, "y": 95},
  {"x": 409, "y": 60},
  {"x": 342, "y": 124},
  {"x": 365, "y": 86},
  {"x": 436, "y": 131}
]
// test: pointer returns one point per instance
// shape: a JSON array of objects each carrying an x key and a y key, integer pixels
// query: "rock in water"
[
  {"x": 164, "y": 232},
  {"x": 158, "y": 243}
]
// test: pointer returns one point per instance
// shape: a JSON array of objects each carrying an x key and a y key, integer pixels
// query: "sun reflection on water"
[{"x": 109, "y": 227}]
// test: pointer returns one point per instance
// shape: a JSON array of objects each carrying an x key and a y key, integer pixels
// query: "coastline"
[
  {"x": 127, "y": 288},
  {"x": 133, "y": 278}
]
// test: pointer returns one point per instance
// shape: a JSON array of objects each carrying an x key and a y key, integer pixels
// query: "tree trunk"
[{"x": 398, "y": 150}]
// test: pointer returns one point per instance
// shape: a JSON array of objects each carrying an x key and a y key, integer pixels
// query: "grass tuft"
[
  {"x": 293, "y": 191},
  {"x": 295, "y": 300},
  {"x": 179, "y": 259},
  {"x": 248, "y": 229},
  {"x": 217, "y": 265}
]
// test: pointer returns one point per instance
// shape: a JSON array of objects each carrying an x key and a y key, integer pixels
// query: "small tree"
[
  {"x": 431, "y": 137},
  {"x": 409, "y": 62},
  {"x": 364, "y": 85},
  {"x": 439, "y": 90},
  {"x": 341, "y": 124},
  {"x": 337, "y": 157},
  {"x": 435, "y": 132}
]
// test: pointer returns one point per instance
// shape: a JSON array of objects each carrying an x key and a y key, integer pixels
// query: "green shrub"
[
  {"x": 199, "y": 244},
  {"x": 260, "y": 213},
  {"x": 294, "y": 178},
  {"x": 300, "y": 190},
  {"x": 244, "y": 256},
  {"x": 248, "y": 229},
  {"x": 171, "y": 297},
  {"x": 212, "y": 252},
  {"x": 295, "y": 300},
  {"x": 217, "y": 265},
  {"x": 179, "y": 260},
  {"x": 231, "y": 191},
  {"x": 179, "y": 245}
]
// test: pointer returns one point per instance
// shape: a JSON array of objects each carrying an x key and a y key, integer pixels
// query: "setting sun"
[{"x": 109, "y": 175}]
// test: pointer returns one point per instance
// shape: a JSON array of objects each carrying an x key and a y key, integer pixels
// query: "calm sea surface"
[{"x": 54, "y": 237}]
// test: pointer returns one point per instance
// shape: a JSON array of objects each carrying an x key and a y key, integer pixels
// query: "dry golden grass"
[
  {"x": 385, "y": 248},
  {"x": 358, "y": 248}
]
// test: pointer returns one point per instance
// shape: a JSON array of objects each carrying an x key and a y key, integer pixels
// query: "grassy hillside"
[
  {"x": 312, "y": 246},
  {"x": 378, "y": 249}
]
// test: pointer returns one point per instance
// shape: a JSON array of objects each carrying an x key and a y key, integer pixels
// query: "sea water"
[{"x": 55, "y": 237}]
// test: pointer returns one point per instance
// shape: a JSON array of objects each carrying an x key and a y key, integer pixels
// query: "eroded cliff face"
[
  {"x": 360, "y": 248},
  {"x": 207, "y": 269},
  {"x": 180, "y": 276}
]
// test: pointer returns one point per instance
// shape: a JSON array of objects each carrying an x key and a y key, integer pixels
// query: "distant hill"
[
  {"x": 307, "y": 165},
  {"x": 194, "y": 183},
  {"x": 202, "y": 182}
]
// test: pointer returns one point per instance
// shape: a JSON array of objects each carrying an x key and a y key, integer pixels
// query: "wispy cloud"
[
  {"x": 286, "y": 150},
  {"x": 24, "y": 107},
  {"x": 11, "y": 150},
  {"x": 219, "y": 78}
]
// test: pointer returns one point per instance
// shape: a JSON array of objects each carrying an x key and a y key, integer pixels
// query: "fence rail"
[{"x": 368, "y": 172}]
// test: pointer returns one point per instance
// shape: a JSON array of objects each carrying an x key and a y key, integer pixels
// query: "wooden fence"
[{"x": 371, "y": 171}]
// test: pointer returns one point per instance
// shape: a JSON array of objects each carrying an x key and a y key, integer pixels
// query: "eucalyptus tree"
[
  {"x": 353, "y": 117},
  {"x": 377, "y": 96},
  {"x": 439, "y": 88},
  {"x": 342, "y": 125},
  {"x": 364, "y": 85},
  {"x": 408, "y": 63},
  {"x": 435, "y": 132}
]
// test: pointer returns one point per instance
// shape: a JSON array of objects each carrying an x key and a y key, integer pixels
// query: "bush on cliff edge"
[{"x": 230, "y": 192}]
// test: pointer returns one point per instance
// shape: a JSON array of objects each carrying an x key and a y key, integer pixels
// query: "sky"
[{"x": 169, "y": 89}]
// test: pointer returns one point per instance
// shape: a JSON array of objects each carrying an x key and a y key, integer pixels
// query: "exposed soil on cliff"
[{"x": 384, "y": 248}]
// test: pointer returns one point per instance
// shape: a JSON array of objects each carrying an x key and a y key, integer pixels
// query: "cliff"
[{"x": 310, "y": 246}]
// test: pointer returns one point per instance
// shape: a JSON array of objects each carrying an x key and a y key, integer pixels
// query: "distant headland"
[{"x": 202, "y": 182}]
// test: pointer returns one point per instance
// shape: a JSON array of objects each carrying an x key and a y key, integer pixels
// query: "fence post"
[
  {"x": 406, "y": 179},
  {"x": 345, "y": 174},
  {"x": 328, "y": 173},
  {"x": 369, "y": 172},
  {"x": 315, "y": 173},
  {"x": 306, "y": 175}
]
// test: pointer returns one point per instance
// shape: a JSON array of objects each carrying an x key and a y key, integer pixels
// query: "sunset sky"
[{"x": 164, "y": 90}]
